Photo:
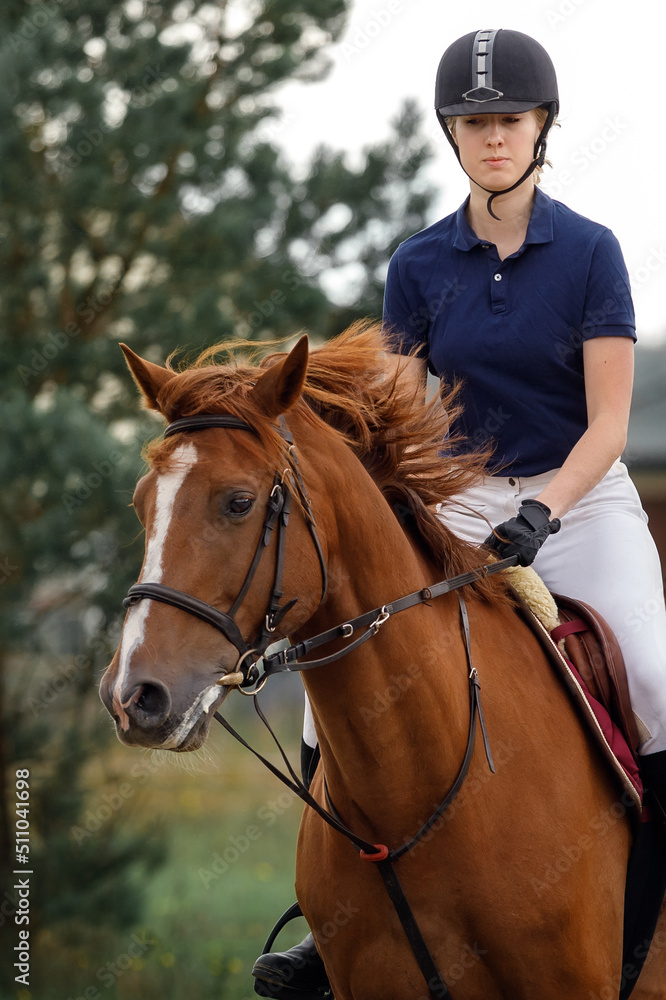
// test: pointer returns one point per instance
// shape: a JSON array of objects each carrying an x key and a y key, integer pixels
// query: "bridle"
[
  {"x": 278, "y": 509},
  {"x": 246, "y": 673}
]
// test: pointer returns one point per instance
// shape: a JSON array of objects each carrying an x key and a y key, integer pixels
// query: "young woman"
[{"x": 528, "y": 305}]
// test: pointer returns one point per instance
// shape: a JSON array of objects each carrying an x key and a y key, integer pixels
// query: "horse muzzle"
[{"x": 148, "y": 714}]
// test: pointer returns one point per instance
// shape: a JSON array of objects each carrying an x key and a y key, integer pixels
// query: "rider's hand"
[{"x": 525, "y": 534}]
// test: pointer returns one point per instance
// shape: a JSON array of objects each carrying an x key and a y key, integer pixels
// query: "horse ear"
[
  {"x": 281, "y": 386},
  {"x": 149, "y": 378}
]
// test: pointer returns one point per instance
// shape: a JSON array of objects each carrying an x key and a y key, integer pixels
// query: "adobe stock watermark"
[
  {"x": 390, "y": 694},
  {"x": 274, "y": 127},
  {"x": 91, "y": 481},
  {"x": 7, "y": 569},
  {"x": 363, "y": 35},
  {"x": 59, "y": 340},
  {"x": 239, "y": 845},
  {"x": 593, "y": 319},
  {"x": 108, "y": 974},
  {"x": 73, "y": 155},
  {"x": 109, "y": 803},
  {"x": 563, "y": 10},
  {"x": 654, "y": 262},
  {"x": 40, "y": 16},
  {"x": 585, "y": 156},
  {"x": 420, "y": 320},
  {"x": 65, "y": 674},
  {"x": 470, "y": 955},
  {"x": 264, "y": 309},
  {"x": 569, "y": 855},
  {"x": 631, "y": 972},
  {"x": 55, "y": 343},
  {"x": 641, "y": 615},
  {"x": 503, "y": 753},
  {"x": 341, "y": 916},
  {"x": 67, "y": 671},
  {"x": 395, "y": 686}
]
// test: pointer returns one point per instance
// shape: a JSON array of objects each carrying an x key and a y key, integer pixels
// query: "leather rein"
[{"x": 247, "y": 674}]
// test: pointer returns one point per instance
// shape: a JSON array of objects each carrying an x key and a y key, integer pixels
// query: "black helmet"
[{"x": 497, "y": 72}]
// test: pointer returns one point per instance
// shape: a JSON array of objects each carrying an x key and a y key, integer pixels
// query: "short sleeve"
[
  {"x": 609, "y": 310},
  {"x": 406, "y": 321}
]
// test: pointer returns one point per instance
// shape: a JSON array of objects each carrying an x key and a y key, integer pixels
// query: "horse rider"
[{"x": 528, "y": 305}]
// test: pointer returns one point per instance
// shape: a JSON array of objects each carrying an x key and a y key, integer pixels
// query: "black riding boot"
[
  {"x": 297, "y": 974},
  {"x": 646, "y": 875},
  {"x": 653, "y": 772}
]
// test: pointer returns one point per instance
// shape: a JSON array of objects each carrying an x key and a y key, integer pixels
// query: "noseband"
[{"x": 278, "y": 509}]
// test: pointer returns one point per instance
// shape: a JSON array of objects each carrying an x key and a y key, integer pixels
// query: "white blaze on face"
[{"x": 168, "y": 484}]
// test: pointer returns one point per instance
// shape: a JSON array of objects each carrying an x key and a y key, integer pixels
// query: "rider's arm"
[{"x": 609, "y": 369}]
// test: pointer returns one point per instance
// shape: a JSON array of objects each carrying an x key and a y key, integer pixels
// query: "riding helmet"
[{"x": 497, "y": 71}]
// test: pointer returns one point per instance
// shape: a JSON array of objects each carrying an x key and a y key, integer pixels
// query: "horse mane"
[{"x": 383, "y": 419}]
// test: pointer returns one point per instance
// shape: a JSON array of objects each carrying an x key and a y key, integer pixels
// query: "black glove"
[{"x": 524, "y": 535}]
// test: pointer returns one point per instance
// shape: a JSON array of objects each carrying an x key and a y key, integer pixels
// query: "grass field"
[{"x": 231, "y": 830}]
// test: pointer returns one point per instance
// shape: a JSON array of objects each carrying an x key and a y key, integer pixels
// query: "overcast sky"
[{"x": 609, "y": 155}]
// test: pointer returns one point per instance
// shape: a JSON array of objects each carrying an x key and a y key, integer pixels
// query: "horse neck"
[{"x": 379, "y": 710}]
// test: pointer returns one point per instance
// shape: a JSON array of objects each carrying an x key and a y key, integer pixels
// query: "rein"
[{"x": 287, "y": 660}]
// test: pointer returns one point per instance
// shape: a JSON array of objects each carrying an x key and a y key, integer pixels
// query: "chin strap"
[{"x": 538, "y": 161}]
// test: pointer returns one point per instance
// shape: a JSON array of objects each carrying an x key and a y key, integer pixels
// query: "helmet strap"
[{"x": 538, "y": 161}]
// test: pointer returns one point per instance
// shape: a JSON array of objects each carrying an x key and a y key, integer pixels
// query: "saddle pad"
[{"x": 602, "y": 729}]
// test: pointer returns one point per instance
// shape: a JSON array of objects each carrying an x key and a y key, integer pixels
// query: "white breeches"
[{"x": 604, "y": 555}]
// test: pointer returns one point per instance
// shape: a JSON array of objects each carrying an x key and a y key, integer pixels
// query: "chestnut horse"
[{"x": 518, "y": 888}]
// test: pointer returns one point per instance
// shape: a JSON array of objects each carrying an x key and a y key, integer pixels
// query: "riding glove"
[{"x": 525, "y": 534}]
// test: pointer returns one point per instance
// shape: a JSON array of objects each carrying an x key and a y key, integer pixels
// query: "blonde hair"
[{"x": 541, "y": 114}]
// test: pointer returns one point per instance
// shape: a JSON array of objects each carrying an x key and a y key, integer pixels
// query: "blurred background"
[{"x": 175, "y": 174}]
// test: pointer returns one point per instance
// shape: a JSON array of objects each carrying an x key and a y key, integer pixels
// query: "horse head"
[{"x": 209, "y": 505}]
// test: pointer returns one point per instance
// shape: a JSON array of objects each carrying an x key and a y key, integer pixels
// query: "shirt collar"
[{"x": 539, "y": 229}]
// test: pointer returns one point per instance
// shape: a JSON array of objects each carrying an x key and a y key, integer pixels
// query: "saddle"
[
  {"x": 591, "y": 646},
  {"x": 586, "y": 655}
]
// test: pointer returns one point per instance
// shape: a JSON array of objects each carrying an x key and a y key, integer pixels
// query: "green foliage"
[{"x": 143, "y": 198}]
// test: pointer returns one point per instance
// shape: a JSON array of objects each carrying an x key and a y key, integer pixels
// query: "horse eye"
[{"x": 238, "y": 506}]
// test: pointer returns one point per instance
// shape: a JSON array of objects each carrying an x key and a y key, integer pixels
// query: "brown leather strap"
[{"x": 605, "y": 662}]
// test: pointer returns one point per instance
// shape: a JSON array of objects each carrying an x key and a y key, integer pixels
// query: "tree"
[{"x": 144, "y": 198}]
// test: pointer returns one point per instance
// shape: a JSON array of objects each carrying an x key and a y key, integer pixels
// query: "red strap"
[{"x": 568, "y": 628}]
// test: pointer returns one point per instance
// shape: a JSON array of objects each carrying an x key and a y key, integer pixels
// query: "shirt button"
[
  {"x": 497, "y": 277},
  {"x": 486, "y": 246}
]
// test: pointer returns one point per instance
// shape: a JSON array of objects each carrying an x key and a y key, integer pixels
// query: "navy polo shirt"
[{"x": 512, "y": 330}]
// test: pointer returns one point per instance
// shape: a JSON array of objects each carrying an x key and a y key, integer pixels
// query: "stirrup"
[{"x": 276, "y": 984}]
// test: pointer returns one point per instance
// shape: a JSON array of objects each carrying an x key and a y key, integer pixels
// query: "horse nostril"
[{"x": 148, "y": 704}]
